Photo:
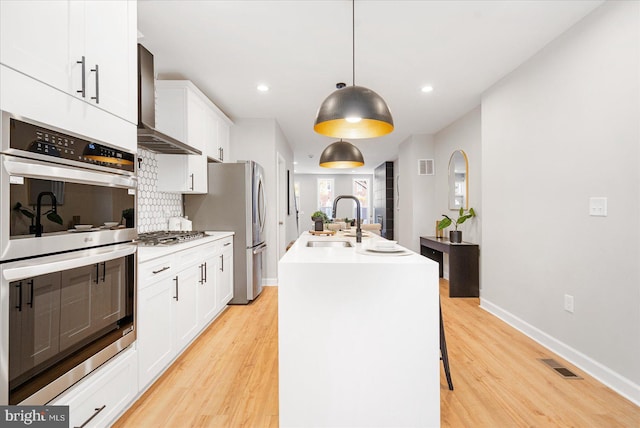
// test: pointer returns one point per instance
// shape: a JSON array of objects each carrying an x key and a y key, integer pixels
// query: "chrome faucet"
[
  {"x": 54, "y": 204},
  {"x": 358, "y": 229}
]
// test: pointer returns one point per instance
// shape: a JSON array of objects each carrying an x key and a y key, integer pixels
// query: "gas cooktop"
[{"x": 168, "y": 237}]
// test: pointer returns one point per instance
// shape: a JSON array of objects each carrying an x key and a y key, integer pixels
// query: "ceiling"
[{"x": 301, "y": 49}]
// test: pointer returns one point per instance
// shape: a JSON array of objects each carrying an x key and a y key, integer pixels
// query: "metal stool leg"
[{"x": 444, "y": 356}]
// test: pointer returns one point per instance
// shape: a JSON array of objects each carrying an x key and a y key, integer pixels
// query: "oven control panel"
[{"x": 31, "y": 138}]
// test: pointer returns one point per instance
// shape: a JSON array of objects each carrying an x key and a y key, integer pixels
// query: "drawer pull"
[
  {"x": 161, "y": 270},
  {"x": 97, "y": 410},
  {"x": 228, "y": 243}
]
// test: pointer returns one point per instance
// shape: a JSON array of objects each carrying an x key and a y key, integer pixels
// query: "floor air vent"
[{"x": 560, "y": 369}]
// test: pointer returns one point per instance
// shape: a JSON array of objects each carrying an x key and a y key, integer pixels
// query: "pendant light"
[
  {"x": 353, "y": 111},
  {"x": 341, "y": 154}
]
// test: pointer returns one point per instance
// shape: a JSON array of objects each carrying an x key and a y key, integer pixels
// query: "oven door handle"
[
  {"x": 15, "y": 271},
  {"x": 37, "y": 169}
]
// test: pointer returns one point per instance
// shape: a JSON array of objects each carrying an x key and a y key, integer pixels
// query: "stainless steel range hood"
[{"x": 148, "y": 137}]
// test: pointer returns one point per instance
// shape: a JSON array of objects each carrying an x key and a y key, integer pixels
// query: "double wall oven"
[{"x": 67, "y": 266}]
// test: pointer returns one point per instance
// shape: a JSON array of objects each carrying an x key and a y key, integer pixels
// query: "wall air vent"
[{"x": 426, "y": 167}]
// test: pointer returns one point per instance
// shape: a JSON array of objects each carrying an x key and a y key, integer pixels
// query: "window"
[
  {"x": 361, "y": 191},
  {"x": 325, "y": 195}
]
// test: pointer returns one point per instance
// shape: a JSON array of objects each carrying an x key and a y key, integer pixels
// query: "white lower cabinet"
[
  {"x": 156, "y": 316},
  {"x": 225, "y": 275},
  {"x": 98, "y": 399},
  {"x": 178, "y": 296}
]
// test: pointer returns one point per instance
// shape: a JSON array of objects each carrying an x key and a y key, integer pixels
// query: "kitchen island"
[{"x": 358, "y": 336}]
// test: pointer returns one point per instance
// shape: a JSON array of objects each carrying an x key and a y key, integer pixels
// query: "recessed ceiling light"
[
  {"x": 427, "y": 88},
  {"x": 263, "y": 88}
]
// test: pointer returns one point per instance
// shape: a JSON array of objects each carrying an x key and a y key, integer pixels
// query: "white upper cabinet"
[
  {"x": 35, "y": 39},
  {"x": 86, "y": 49},
  {"x": 110, "y": 35}
]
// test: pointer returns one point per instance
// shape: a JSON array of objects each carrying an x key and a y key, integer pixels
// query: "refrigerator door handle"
[{"x": 260, "y": 248}]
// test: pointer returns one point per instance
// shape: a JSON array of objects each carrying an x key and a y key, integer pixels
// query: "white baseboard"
[
  {"x": 608, "y": 377},
  {"x": 269, "y": 281}
]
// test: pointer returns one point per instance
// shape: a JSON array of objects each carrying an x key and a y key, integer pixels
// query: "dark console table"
[{"x": 464, "y": 269}]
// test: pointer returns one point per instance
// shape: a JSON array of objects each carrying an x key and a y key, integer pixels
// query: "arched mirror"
[{"x": 458, "y": 181}]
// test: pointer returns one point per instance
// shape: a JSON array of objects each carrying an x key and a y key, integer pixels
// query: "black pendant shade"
[
  {"x": 341, "y": 154},
  {"x": 353, "y": 112}
]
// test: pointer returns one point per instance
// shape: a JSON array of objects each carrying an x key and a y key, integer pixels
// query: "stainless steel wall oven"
[{"x": 67, "y": 258}]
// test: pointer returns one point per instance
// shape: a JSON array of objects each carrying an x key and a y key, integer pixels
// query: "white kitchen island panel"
[{"x": 358, "y": 339}]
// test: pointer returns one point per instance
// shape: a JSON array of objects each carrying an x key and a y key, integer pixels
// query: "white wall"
[
  {"x": 416, "y": 209},
  {"x": 562, "y": 128},
  {"x": 463, "y": 134},
  {"x": 259, "y": 140},
  {"x": 343, "y": 186}
]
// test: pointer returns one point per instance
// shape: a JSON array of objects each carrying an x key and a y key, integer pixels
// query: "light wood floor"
[{"x": 229, "y": 377}]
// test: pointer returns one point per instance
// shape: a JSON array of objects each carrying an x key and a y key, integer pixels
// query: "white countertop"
[
  {"x": 146, "y": 253},
  {"x": 300, "y": 253}
]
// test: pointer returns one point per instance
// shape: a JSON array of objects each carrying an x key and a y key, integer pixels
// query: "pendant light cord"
[{"x": 353, "y": 42}]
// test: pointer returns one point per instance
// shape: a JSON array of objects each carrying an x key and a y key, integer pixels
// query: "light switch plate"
[{"x": 598, "y": 207}]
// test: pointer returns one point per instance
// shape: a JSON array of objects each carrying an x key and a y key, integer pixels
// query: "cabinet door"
[
  {"x": 99, "y": 398},
  {"x": 108, "y": 294},
  {"x": 224, "y": 280},
  {"x": 186, "y": 304},
  {"x": 75, "y": 304},
  {"x": 207, "y": 289},
  {"x": 35, "y": 40},
  {"x": 211, "y": 143},
  {"x": 223, "y": 141},
  {"x": 196, "y": 121},
  {"x": 110, "y": 49},
  {"x": 155, "y": 322},
  {"x": 182, "y": 173},
  {"x": 197, "y": 170}
]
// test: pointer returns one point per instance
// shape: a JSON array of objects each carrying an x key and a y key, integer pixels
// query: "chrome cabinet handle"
[
  {"x": 161, "y": 270},
  {"x": 228, "y": 243},
  {"x": 192, "y": 184},
  {"x": 221, "y": 153},
  {"x": 176, "y": 296},
  {"x": 104, "y": 271},
  {"x": 222, "y": 263},
  {"x": 83, "y": 90},
  {"x": 97, "y": 97},
  {"x": 97, "y": 410},
  {"x": 205, "y": 271},
  {"x": 97, "y": 273},
  {"x": 201, "y": 280},
  {"x": 30, "y": 303}
]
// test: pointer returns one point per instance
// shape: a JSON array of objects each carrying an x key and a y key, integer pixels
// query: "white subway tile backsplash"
[{"x": 154, "y": 207}]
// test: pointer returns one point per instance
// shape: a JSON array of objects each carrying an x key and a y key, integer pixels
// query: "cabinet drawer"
[
  {"x": 103, "y": 395},
  {"x": 155, "y": 270}
]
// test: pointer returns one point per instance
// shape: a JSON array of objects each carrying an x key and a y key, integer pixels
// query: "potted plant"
[
  {"x": 455, "y": 236},
  {"x": 319, "y": 218}
]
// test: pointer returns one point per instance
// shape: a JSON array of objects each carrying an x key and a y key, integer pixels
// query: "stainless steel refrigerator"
[{"x": 235, "y": 202}]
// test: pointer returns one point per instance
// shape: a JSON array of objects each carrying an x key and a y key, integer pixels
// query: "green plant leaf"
[
  {"x": 472, "y": 212},
  {"x": 461, "y": 211},
  {"x": 54, "y": 217},
  {"x": 446, "y": 222},
  {"x": 464, "y": 218}
]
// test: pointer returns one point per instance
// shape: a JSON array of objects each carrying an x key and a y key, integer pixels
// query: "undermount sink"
[{"x": 329, "y": 244}]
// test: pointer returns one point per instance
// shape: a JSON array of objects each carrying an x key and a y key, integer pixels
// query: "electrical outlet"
[
  {"x": 568, "y": 303},
  {"x": 598, "y": 207}
]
